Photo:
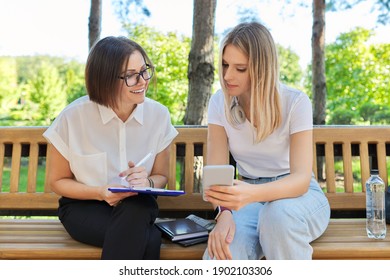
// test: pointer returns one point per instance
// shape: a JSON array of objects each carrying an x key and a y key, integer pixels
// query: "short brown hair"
[{"x": 104, "y": 66}]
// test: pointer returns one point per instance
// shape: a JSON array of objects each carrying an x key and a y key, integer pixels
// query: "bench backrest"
[{"x": 347, "y": 148}]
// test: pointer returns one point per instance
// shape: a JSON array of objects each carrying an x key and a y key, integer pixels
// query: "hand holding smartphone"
[{"x": 217, "y": 175}]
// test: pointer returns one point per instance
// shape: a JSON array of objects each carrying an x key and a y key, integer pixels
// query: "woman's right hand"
[
  {"x": 111, "y": 198},
  {"x": 221, "y": 237}
]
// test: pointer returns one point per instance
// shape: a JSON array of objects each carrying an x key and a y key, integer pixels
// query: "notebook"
[{"x": 182, "y": 229}]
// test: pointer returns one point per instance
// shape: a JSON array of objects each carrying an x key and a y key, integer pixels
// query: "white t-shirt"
[
  {"x": 270, "y": 157},
  {"x": 98, "y": 145}
]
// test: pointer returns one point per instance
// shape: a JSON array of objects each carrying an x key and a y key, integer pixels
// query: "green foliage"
[
  {"x": 357, "y": 73},
  {"x": 290, "y": 70},
  {"x": 342, "y": 116},
  {"x": 169, "y": 53},
  {"x": 73, "y": 75},
  {"x": 46, "y": 92},
  {"x": 375, "y": 113},
  {"x": 8, "y": 83},
  {"x": 34, "y": 89}
]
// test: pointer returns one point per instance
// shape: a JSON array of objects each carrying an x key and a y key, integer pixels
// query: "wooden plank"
[
  {"x": 329, "y": 168},
  {"x": 47, "y": 171},
  {"x": 347, "y": 201},
  {"x": 15, "y": 167},
  {"x": 189, "y": 168},
  {"x": 344, "y": 239},
  {"x": 2, "y": 150},
  {"x": 172, "y": 167},
  {"x": 381, "y": 148},
  {"x": 315, "y": 163},
  {"x": 364, "y": 164},
  {"x": 29, "y": 201},
  {"x": 347, "y": 165},
  {"x": 32, "y": 168}
]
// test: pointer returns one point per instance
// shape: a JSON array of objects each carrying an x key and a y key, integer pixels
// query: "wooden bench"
[{"x": 23, "y": 151}]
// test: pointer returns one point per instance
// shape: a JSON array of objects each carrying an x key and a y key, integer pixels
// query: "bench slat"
[
  {"x": 347, "y": 165},
  {"x": 32, "y": 168},
  {"x": 47, "y": 239}
]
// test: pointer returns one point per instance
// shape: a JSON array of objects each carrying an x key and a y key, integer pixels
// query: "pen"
[{"x": 142, "y": 161}]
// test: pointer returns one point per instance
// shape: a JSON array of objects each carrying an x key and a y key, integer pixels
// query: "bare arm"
[
  {"x": 217, "y": 145},
  {"x": 223, "y": 233}
]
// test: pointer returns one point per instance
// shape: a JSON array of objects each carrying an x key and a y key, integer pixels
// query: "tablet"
[
  {"x": 217, "y": 175},
  {"x": 147, "y": 190}
]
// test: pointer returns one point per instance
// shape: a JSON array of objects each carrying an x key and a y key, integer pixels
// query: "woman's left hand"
[
  {"x": 233, "y": 197},
  {"x": 135, "y": 176}
]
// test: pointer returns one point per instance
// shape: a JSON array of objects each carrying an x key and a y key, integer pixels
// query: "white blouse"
[{"x": 98, "y": 145}]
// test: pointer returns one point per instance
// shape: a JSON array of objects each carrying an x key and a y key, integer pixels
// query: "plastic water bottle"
[{"x": 375, "y": 206}]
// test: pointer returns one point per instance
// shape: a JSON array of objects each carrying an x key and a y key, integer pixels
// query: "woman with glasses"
[
  {"x": 96, "y": 143},
  {"x": 278, "y": 207}
]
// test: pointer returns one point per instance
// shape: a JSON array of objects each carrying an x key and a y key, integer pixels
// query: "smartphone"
[{"x": 217, "y": 175}]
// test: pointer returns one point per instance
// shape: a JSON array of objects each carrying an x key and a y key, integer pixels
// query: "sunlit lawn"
[{"x": 23, "y": 179}]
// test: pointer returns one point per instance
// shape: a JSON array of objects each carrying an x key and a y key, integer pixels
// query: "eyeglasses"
[{"x": 133, "y": 79}]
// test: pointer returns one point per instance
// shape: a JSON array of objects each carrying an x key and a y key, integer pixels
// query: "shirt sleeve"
[
  {"x": 301, "y": 115},
  {"x": 216, "y": 109},
  {"x": 57, "y": 135}
]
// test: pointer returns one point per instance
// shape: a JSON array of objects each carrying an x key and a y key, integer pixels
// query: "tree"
[
  {"x": 318, "y": 62},
  {"x": 290, "y": 70},
  {"x": 201, "y": 62},
  {"x": 95, "y": 22},
  {"x": 73, "y": 74},
  {"x": 46, "y": 93},
  {"x": 8, "y": 84},
  {"x": 318, "y": 45},
  {"x": 358, "y": 77},
  {"x": 34, "y": 89},
  {"x": 169, "y": 54}
]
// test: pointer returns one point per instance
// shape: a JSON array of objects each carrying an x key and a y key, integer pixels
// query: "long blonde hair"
[{"x": 256, "y": 42}]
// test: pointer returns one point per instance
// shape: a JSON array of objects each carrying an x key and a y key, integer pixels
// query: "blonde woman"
[{"x": 277, "y": 208}]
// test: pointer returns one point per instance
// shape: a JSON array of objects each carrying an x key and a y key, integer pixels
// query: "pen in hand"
[{"x": 140, "y": 163}]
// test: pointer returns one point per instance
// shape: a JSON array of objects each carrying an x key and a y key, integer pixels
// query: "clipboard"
[{"x": 147, "y": 190}]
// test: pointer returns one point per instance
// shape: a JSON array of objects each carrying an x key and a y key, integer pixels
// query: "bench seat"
[{"x": 47, "y": 239}]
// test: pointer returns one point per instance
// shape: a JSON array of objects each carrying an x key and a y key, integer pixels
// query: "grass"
[{"x": 23, "y": 179}]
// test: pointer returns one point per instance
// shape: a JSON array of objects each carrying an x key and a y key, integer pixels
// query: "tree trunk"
[
  {"x": 318, "y": 71},
  {"x": 95, "y": 22},
  {"x": 200, "y": 72},
  {"x": 201, "y": 62},
  {"x": 318, "y": 62}
]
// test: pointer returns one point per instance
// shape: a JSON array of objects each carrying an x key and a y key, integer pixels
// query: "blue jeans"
[{"x": 281, "y": 229}]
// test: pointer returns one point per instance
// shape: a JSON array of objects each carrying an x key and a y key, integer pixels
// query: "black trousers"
[{"x": 125, "y": 232}]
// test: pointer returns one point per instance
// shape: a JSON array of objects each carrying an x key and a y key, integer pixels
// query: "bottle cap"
[{"x": 374, "y": 172}]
